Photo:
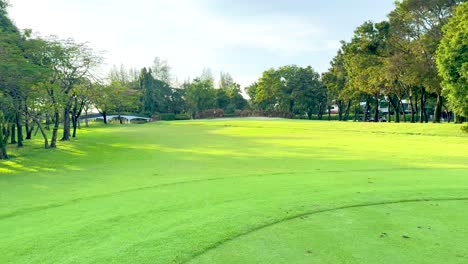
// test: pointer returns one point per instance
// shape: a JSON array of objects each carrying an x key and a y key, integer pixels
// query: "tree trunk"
[
  {"x": 47, "y": 124},
  {"x": 320, "y": 111},
  {"x": 29, "y": 131},
  {"x": 422, "y": 113},
  {"x": 53, "y": 141},
  {"x": 438, "y": 109},
  {"x": 400, "y": 102},
  {"x": 356, "y": 113},
  {"x": 86, "y": 120},
  {"x": 389, "y": 120},
  {"x": 396, "y": 108},
  {"x": 376, "y": 113},
  {"x": 3, "y": 151},
  {"x": 104, "y": 115},
  {"x": 13, "y": 134},
  {"x": 291, "y": 106},
  {"x": 348, "y": 107},
  {"x": 74, "y": 117},
  {"x": 447, "y": 113},
  {"x": 366, "y": 110},
  {"x": 413, "y": 112},
  {"x": 66, "y": 123},
  {"x": 19, "y": 128},
  {"x": 416, "y": 106},
  {"x": 44, "y": 135},
  {"x": 4, "y": 135},
  {"x": 426, "y": 116},
  {"x": 28, "y": 127},
  {"x": 340, "y": 110},
  {"x": 74, "y": 121},
  {"x": 309, "y": 113}
]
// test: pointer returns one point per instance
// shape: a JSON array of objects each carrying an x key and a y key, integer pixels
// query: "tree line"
[{"x": 415, "y": 62}]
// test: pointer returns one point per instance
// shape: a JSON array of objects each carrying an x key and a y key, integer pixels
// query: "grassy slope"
[{"x": 240, "y": 191}]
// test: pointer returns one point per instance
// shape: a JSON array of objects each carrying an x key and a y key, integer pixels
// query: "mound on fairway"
[{"x": 240, "y": 191}]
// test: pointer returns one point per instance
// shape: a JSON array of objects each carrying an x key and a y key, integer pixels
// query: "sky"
[{"x": 243, "y": 37}]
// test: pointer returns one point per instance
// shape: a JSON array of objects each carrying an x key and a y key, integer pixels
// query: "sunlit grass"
[{"x": 239, "y": 191}]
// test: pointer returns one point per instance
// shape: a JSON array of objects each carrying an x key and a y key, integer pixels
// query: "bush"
[
  {"x": 182, "y": 117},
  {"x": 167, "y": 117},
  {"x": 464, "y": 128},
  {"x": 246, "y": 113},
  {"x": 211, "y": 113}
]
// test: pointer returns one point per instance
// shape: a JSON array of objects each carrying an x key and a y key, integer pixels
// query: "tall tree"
[
  {"x": 336, "y": 80},
  {"x": 364, "y": 60},
  {"x": 200, "y": 96},
  {"x": 161, "y": 70},
  {"x": 452, "y": 61},
  {"x": 421, "y": 22}
]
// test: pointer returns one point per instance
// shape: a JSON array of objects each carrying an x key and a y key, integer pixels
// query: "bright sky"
[{"x": 242, "y": 37}]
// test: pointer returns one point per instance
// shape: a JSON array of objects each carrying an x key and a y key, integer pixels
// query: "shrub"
[
  {"x": 182, "y": 117},
  {"x": 167, "y": 116},
  {"x": 211, "y": 113},
  {"x": 246, "y": 113},
  {"x": 464, "y": 128}
]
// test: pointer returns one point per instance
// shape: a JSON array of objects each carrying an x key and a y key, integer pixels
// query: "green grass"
[{"x": 240, "y": 191}]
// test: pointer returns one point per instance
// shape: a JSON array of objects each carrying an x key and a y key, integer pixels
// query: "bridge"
[{"x": 125, "y": 118}]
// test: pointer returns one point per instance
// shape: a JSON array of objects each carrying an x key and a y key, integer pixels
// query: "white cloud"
[{"x": 186, "y": 33}]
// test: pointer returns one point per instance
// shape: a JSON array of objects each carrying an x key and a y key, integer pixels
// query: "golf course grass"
[{"x": 239, "y": 191}]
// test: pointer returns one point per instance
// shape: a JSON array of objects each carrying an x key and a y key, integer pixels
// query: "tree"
[
  {"x": 200, "y": 96},
  {"x": 267, "y": 89},
  {"x": 309, "y": 92},
  {"x": 122, "y": 99},
  {"x": 161, "y": 70},
  {"x": 225, "y": 81},
  {"x": 251, "y": 91},
  {"x": 222, "y": 98},
  {"x": 101, "y": 99},
  {"x": 81, "y": 98},
  {"x": 72, "y": 62},
  {"x": 335, "y": 81},
  {"x": 150, "y": 97},
  {"x": 237, "y": 100},
  {"x": 421, "y": 22},
  {"x": 364, "y": 60},
  {"x": 452, "y": 61},
  {"x": 5, "y": 108},
  {"x": 156, "y": 95}
]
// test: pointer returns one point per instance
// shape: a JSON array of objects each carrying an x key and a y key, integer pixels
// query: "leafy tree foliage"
[
  {"x": 290, "y": 89},
  {"x": 200, "y": 96},
  {"x": 452, "y": 60}
]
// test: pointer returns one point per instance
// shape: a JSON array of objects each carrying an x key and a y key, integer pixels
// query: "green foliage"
[
  {"x": 200, "y": 96},
  {"x": 157, "y": 96},
  {"x": 167, "y": 116},
  {"x": 464, "y": 128},
  {"x": 182, "y": 117},
  {"x": 363, "y": 57},
  {"x": 452, "y": 60},
  {"x": 289, "y": 89}
]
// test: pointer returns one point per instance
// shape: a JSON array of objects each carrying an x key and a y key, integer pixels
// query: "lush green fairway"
[{"x": 240, "y": 191}]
